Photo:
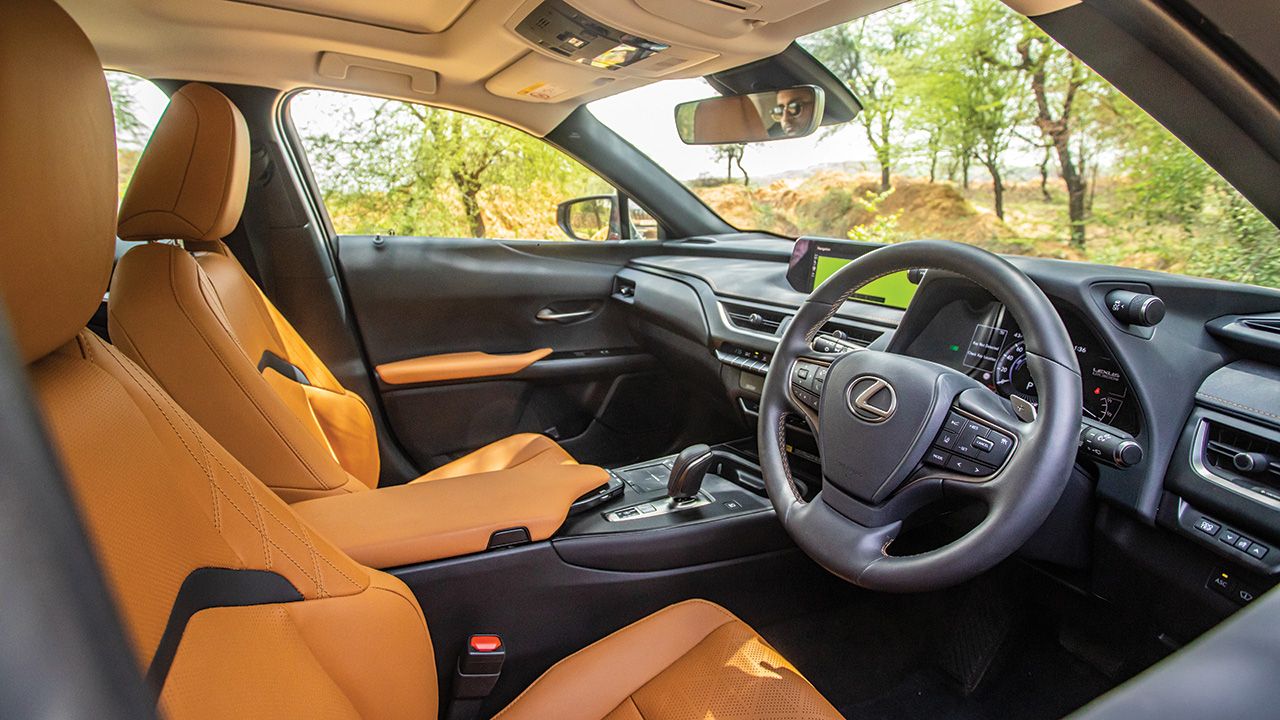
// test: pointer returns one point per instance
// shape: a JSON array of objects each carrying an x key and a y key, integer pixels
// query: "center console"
[{"x": 644, "y": 528}]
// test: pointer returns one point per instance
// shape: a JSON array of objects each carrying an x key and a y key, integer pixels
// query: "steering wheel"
[{"x": 897, "y": 433}]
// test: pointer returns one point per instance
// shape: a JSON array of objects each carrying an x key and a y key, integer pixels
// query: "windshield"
[{"x": 976, "y": 127}]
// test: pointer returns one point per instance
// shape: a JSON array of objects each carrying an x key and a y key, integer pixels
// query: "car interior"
[{"x": 261, "y": 461}]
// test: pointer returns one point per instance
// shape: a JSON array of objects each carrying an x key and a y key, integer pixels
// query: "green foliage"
[
  {"x": 881, "y": 228},
  {"x": 397, "y": 168},
  {"x": 951, "y": 85}
]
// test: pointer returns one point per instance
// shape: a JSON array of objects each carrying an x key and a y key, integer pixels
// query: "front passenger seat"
[{"x": 195, "y": 320}]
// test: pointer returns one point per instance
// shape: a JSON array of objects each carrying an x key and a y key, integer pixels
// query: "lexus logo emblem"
[{"x": 872, "y": 399}]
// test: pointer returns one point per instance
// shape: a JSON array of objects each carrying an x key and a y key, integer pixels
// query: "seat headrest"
[
  {"x": 57, "y": 176},
  {"x": 190, "y": 181}
]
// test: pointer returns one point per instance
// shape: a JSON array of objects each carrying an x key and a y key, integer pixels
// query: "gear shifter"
[{"x": 687, "y": 472}]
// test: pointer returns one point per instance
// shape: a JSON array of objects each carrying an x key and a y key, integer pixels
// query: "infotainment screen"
[{"x": 815, "y": 260}]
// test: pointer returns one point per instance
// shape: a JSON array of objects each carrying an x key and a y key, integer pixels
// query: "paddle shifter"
[{"x": 687, "y": 472}]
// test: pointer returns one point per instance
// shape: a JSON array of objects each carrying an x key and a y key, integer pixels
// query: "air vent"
[
  {"x": 1267, "y": 324},
  {"x": 1234, "y": 453},
  {"x": 755, "y": 319},
  {"x": 848, "y": 333}
]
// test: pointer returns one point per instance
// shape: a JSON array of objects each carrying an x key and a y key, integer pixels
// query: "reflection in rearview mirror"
[{"x": 755, "y": 117}]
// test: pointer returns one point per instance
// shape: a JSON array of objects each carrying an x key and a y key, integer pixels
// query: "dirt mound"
[{"x": 832, "y": 203}]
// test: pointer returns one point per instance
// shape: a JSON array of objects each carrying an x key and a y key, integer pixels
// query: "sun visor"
[
  {"x": 727, "y": 18},
  {"x": 538, "y": 79}
]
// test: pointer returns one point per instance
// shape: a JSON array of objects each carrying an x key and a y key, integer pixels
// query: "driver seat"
[{"x": 233, "y": 606}]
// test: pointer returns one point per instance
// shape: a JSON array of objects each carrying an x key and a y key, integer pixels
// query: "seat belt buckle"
[{"x": 478, "y": 669}]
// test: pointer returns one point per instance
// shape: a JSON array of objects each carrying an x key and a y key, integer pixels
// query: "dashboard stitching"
[{"x": 1242, "y": 406}]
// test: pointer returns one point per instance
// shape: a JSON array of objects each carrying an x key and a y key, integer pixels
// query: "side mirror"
[
  {"x": 593, "y": 217},
  {"x": 753, "y": 117}
]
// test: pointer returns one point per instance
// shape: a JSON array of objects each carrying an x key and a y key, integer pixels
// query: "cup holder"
[{"x": 744, "y": 473}]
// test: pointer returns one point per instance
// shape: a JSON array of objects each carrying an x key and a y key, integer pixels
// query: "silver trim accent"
[
  {"x": 861, "y": 406},
  {"x": 1201, "y": 468},
  {"x": 549, "y": 315},
  {"x": 1023, "y": 408},
  {"x": 661, "y": 506},
  {"x": 772, "y": 337}
]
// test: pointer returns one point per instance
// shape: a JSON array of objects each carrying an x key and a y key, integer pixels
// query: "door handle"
[{"x": 549, "y": 315}]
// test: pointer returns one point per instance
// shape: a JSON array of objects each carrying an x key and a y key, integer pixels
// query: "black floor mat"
[
  {"x": 1037, "y": 680},
  {"x": 883, "y": 656}
]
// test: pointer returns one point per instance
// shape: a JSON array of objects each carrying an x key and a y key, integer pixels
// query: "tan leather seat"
[
  {"x": 200, "y": 325},
  {"x": 234, "y": 607}
]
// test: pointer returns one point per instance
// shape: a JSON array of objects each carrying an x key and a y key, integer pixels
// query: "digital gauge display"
[
  {"x": 996, "y": 354},
  {"x": 1104, "y": 389}
]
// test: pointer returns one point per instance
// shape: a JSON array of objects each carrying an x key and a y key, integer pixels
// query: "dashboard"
[
  {"x": 985, "y": 343},
  {"x": 1200, "y": 393}
]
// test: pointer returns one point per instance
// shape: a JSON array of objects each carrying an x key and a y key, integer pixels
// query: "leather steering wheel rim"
[{"x": 851, "y": 536}]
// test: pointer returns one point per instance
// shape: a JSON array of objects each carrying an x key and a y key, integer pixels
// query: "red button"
[{"x": 485, "y": 643}]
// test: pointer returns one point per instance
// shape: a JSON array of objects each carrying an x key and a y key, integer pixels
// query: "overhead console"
[{"x": 576, "y": 53}]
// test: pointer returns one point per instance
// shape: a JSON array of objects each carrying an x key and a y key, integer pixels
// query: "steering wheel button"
[
  {"x": 983, "y": 445},
  {"x": 947, "y": 440},
  {"x": 937, "y": 457},
  {"x": 955, "y": 423},
  {"x": 965, "y": 466}
]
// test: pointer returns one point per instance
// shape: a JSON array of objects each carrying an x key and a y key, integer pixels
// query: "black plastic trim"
[
  {"x": 208, "y": 588},
  {"x": 282, "y": 366}
]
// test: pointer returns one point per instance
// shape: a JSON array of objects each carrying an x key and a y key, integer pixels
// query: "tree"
[
  {"x": 1057, "y": 81},
  {"x": 971, "y": 104},
  {"x": 410, "y": 169},
  {"x": 866, "y": 55},
  {"x": 131, "y": 131},
  {"x": 732, "y": 155}
]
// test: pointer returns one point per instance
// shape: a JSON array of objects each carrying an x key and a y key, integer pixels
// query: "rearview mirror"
[
  {"x": 754, "y": 117},
  {"x": 594, "y": 217}
]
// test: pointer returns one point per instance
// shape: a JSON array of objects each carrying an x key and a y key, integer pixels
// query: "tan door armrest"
[
  {"x": 448, "y": 517},
  {"x": 457, "y": 366}
]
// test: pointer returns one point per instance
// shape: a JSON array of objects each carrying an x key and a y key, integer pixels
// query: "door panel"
[{"x": 605, "y": 400}]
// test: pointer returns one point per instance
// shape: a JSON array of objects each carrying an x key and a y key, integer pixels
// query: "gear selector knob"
[{"x": 687, "y": 472}]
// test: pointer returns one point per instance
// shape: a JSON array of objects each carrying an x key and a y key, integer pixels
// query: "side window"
[
  {"x": 395, "y": 168},
  {"x": 138, "y": 105}
]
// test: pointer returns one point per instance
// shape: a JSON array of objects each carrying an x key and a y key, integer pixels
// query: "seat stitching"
[
  {"x": 208, "y": 474},
  {"x": 147, "y": 386},
  {"x": 315, "y": 559},
  {"x": 146, "y": 382},
  {"x": 213, "y": 482}
]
